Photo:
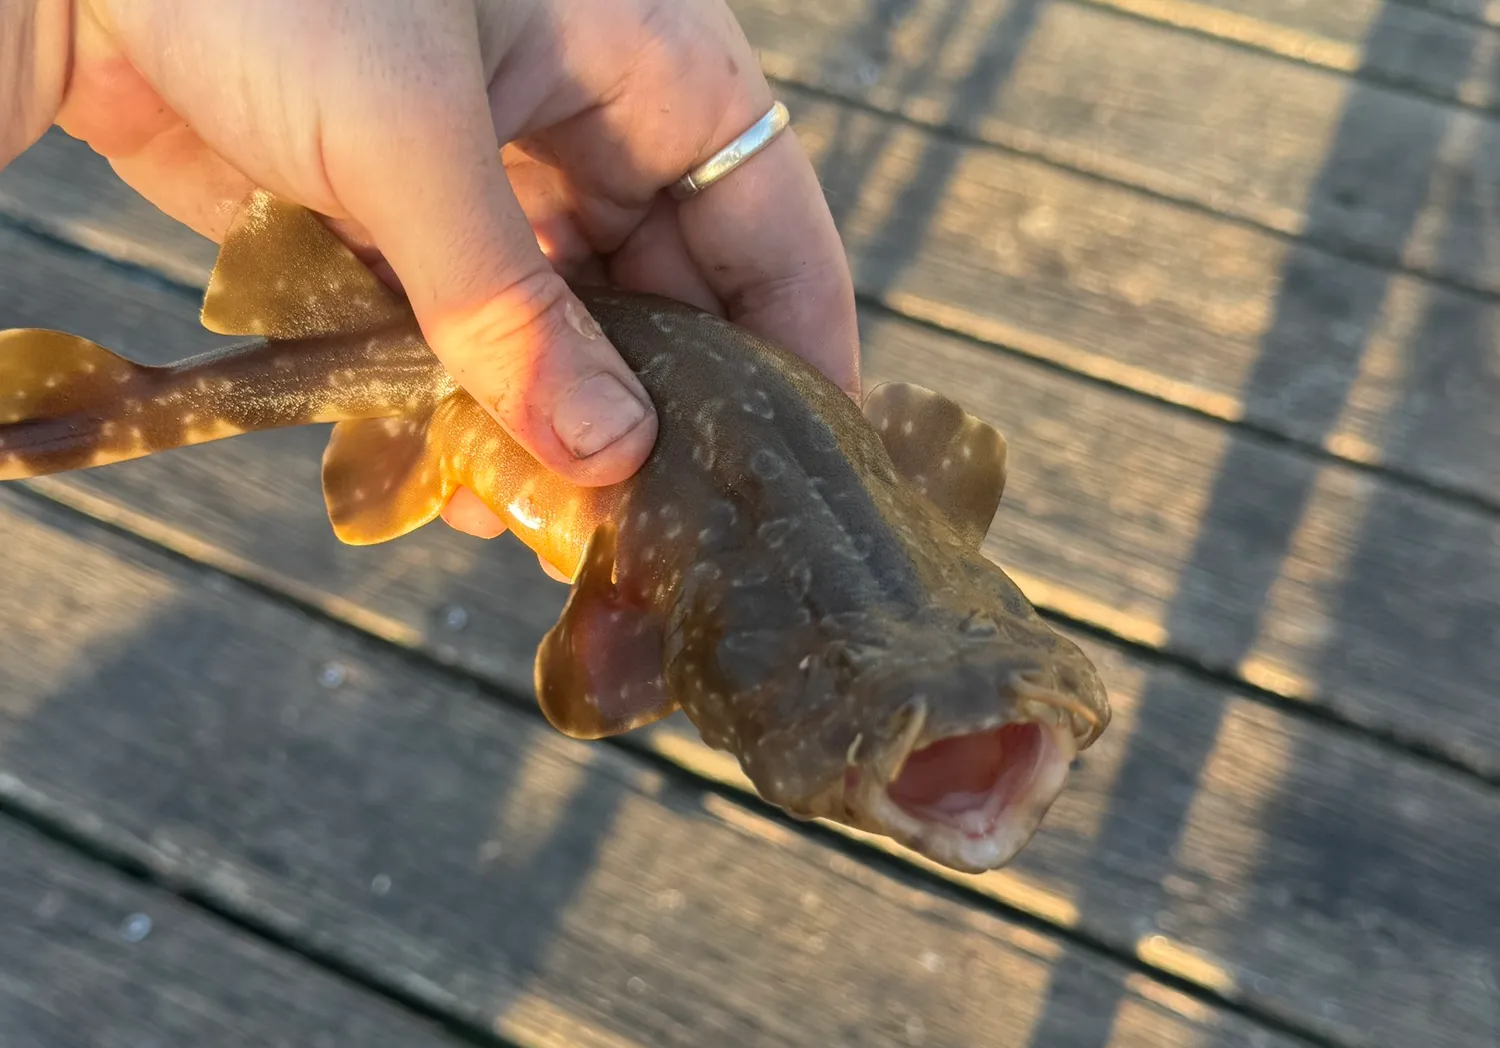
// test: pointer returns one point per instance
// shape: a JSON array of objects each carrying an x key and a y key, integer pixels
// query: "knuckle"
[
  {"x": 519, "y": 320},
  {"x": 526, "y": 306}
]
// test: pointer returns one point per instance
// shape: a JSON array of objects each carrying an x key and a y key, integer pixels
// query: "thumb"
[{"x": 429, "y": 187}]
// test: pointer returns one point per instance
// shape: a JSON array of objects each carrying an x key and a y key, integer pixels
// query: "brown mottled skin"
[{"x": 801, "y": 577}]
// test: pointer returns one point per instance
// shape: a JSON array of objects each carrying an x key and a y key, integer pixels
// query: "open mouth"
[
  {"x": 969, "y": 782},
  {"x": 973, "y": 801}
]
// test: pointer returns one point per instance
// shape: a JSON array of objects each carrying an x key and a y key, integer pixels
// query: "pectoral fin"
[
  {"x": 281, "y": 273},
  {"x": 955, "y": 459},
  {"x": 599, "y": 669}
]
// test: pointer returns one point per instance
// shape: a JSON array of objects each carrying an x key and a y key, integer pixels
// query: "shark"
[{"x": 799, "y": 573}]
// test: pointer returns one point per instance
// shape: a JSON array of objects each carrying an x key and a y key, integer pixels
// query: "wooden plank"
[
  {"x": 1377, "y": 368},
  {"x": 1484, "y": 11},
  {"x": 64, "y": 189},
  {"x": 1309, "y": 579},
  {"x": 557, "y": 892},
  {"x": 1347, "y": 164},
  {"x": 1226, "y": 829},
  {"x": 1401, "y": 44},
  {"x": 93, "y": 960},
  {"x": 1330, "y": 29}
]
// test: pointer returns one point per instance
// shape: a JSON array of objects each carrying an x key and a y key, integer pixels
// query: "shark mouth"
[{"x": 973, "y": 801}]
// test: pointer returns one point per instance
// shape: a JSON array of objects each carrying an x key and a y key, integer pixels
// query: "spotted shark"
[{"x": 799, "y": 574}]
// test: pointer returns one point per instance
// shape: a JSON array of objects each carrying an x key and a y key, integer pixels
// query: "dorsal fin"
[
  {"x": 281, "y": 273},
  {"x": 955, "y": 459}
]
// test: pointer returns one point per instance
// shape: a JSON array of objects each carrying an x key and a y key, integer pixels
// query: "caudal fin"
[{"x": 66, "y": 403}]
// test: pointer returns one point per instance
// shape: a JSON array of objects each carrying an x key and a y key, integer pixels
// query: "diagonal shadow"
[
  {"x": 1455, "y": 907},
  {"x": 1252, "y": 512},
  {"x": 369, "y": 818},
  {"x": 236, "y": 746},
  {"x": 852, "y": 159}
]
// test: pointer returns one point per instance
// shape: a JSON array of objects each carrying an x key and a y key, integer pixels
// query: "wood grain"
[
  {"x": 560, "y": 893},
  {"x": 1348, "y": 164},
  {"x": 1478, "y": 12},
  {"x": 1378, "y": 368},
  {"x": 1486, "y": 12},
  {"x": 1374, "y": 367},
  {"x": 1309, "y": 579},
  {"x": 90, "y": 959},
  {"x": 1203, "y": 818},
  {"x": 1402, "y": 44}
]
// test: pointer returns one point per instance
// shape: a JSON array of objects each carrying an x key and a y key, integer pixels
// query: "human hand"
[{"x": 389, "y": 117}]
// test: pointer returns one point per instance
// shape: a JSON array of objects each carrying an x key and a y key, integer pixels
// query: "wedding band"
[{"x": 760, "y": 134}]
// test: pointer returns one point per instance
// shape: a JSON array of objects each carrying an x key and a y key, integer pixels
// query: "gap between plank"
[
  {"x": 88, "y": 835},
  {"x": 1450, "y": 495},
  {"x": 404, "y": 637},
  {"x": 970, "y": 140},
  {"x": 189, "y": 549},
  {"x": 1207, "y": 407},
  {"x": 1453, "y": 497},
  {"x": 264, "y": 583},
  {"x": 83, "y": 837}
]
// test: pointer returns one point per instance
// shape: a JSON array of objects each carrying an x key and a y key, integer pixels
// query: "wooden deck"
[{"x": 1226, "y": 272}]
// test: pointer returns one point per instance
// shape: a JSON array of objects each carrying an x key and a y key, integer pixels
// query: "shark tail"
[{"x": 67, "y": 403}]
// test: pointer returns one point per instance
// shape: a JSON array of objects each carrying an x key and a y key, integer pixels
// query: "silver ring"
[{"x": 760, "y": 134}]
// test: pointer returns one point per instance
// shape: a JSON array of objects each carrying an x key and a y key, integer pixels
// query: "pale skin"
[{"x": 477, "y": 153}]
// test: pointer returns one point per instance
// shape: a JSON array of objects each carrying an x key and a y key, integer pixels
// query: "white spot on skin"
[
  {"x": 525, "y": 513},
  {"x": 766, "y": 464},
  {"x": 774, "y": 533}
]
